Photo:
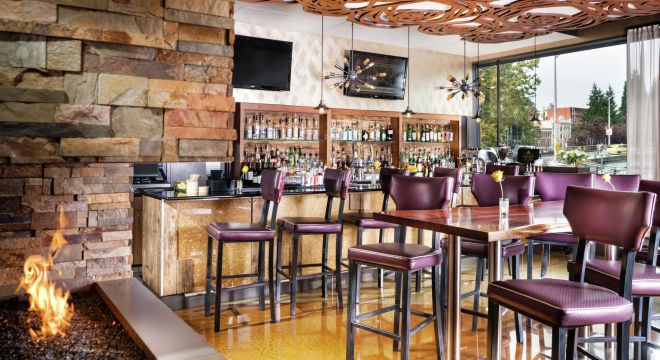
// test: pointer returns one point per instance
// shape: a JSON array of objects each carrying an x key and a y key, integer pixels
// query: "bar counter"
[{"x": 174, "y": 234}]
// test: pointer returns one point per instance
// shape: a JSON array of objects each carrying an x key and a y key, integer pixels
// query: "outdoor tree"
[{"x": 517, "y": 104}]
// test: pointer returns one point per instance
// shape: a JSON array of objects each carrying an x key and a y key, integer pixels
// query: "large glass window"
[{"x": 589, "y": 89}]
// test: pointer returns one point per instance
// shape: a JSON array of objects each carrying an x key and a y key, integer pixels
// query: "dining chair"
[
  {"x": 272, "y": 188},
  {"x": 365, "y": 221},
  {"x": 408, "y": 193},
  {"x": 336, "y": 183},
  {"x": 508, "y": 170},
  {"x": 595, "y": 216},
  {"x": 552, "y": 187},
  {"x": 619, "y": 183},
  {"x": 519, "y": 190},
  {"x": 454, "y": 173}
]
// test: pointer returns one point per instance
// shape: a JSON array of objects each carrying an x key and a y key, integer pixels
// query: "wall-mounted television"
[
  {"x": 392, "y": 86},
  {"x": 262, "y": 64}
]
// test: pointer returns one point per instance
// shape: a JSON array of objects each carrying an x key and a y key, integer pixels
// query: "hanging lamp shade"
[
  {"x": 408, "y": 112},
  {"x": 322, "y": 107}
]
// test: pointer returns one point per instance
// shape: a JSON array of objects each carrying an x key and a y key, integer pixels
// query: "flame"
[{"x": 45, "y": 297}]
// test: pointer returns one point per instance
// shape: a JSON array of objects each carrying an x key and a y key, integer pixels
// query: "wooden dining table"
[{"x": 478, "y": 224}]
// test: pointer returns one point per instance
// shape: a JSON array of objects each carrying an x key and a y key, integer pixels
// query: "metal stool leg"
[
  {"x": 381, "y": 238},
  {"x": 405, "y": 319},
  {"x": 544, "y": 260},
  {"x": 293, "y": 275},
  {"x": 515, "y": 274},
  {"x": 260, "y": 271},
  {"x": 397, "y": 309},
  {"x": 558, "y": 343},
  {"x": 278, "y": 275},
  {"x": 419, "y": 277},
  {"x": 359, "y": 272},
  {"x": 274, "y": 308},
  {"x": 324, "y": 262},
  {"x": 352, "y": 297},
  {"x": 477, "y": 291},
  {"x": 218, "y": 289},
  {"x": 209, "y": 262},
  {"x": 437, "y": 310},
  {"x": 340, "y": 300}
]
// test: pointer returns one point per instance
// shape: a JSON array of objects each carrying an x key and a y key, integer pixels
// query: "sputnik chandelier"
[
  {"x": 481, "y": 21},
  {"x": 465, "y": 87},
  {"x": 351, "y": 75}
]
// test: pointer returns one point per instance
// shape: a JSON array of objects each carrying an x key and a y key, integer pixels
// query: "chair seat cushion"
[
  {"x": 309, "y": 225},
  {"x": 479, "y": 249},
  {"x": 367, "y": 221},
  {"x": 395, "y": 255},
  {"x": 646, "y": 278},
  {"x": 239, "y": 232},
  {"x": 560, "y": 237},
  {"x": 562, "y": 303}
]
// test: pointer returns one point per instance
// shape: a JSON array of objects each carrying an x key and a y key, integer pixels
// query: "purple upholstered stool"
[
  {"x": 596, "y": 216},
  {"x": 366, "y": 221},
  {"x": 552, "y": 187},
  {"x": 519, "y": 190},
  {"x": 454, "y": 173},
  {"x": 272, "y": 187},
  {"x": 336, "y": 183},
  {"x": 509, "y": 170},
  {"x": 408, "y": 193}
]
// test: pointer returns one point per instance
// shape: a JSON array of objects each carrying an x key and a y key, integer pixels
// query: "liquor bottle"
[
  {"x": 294, "y": 125},
  {"x": 256, "y": 132},
  {"x": 248, "y": 127},
  {"x": 365, "y": 134},
  {"x": 383, "y": 136},
  {"x": 315, "y": 131},
  {"x": 309, "y": 132},
  {"x": 390, "y": 133},
  {"x": 301, "y": 129},
  {"x": 413, "y": 133}
]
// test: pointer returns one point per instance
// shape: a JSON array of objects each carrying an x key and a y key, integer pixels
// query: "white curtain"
[{"x": 643, "y": 103}]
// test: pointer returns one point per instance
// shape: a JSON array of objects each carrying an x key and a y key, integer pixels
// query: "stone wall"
[
  {"x": 88, "y": 87},
  {"x": 116, "y": 80},
  {"x": 95, "y": 199}
]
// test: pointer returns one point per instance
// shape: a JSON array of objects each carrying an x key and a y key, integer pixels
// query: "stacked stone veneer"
[{"x": 88, "y": 87}]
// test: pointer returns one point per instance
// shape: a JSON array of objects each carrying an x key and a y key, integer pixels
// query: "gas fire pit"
[{"x": 94, "y": 333}]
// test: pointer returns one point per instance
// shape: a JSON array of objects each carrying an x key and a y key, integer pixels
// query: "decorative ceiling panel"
[{"x": 483, "y": 21}]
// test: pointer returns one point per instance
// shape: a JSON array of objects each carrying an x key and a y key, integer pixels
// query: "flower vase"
[
  {"x": 239, "y": 186},
  {"x": 504, "y": 208}
]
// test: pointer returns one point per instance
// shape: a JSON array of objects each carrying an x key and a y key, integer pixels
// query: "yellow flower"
[
  {"x": 411, "y": 168},
  {"x": 245, "y": 169},
  {"x": 498, "y": 176},
  {"x": 607, "y": 178},
  {"x": 376, "y": 164}
]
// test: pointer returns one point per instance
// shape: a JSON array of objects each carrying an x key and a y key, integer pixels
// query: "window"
[{"x": 591, "y": 106}]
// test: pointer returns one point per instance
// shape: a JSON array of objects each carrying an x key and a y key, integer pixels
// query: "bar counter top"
[{"x": 167, "y": 195}]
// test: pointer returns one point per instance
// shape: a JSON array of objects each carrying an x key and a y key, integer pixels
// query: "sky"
[{"x": 578, "y": 71}]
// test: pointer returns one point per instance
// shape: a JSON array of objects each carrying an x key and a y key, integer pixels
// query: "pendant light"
[
  {"x": 477, "y": 115},
  {"x": 408, "y": 112},
  {"x": 535, "y": 119},
  {"x": 465, "y": 87},
  {"x": 321, "y": 107}
]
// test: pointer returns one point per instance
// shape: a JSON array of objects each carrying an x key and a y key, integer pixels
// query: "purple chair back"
[
  {"x": 609, "y": 217},
  {"x": 421, "y": 193},
  {"x": 510, "y": 170},
  {"x": 652, "y": 187},
  {"x": 620, "y": 182},
  {"x": 456, "y": 174},
  {"x": 272, "y": 185},
  {"x": 552, "y": 186},
  {"x": 385, "y": 178},
  {"x": 336, "y": 183},
  {"x": 518, "y": 189}
]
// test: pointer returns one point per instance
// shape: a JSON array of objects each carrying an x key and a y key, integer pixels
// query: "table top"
[{"x": 484, "y": 223}]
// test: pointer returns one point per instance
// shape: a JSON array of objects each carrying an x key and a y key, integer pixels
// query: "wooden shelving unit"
[{"x": 342, "y": 116}]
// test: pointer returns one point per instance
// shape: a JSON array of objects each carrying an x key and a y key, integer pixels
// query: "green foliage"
[{"x": 517, "y": 104}]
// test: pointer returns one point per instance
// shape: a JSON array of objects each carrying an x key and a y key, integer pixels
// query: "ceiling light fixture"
[
  {"x": 408, "y": 112},
  {"x": 464, "y": 87},
  {"x": 477, "y": 115},
  {"x": 321, "y": 107},
  {"x": 353, "y": 76}
]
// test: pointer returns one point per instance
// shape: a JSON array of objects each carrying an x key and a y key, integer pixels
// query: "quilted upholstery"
[
  {"x": 509, "y": 170},
  {"x": 309, "y": 225},
  {"x": 620, "y": 182},
  {"x": 400, "y": 256},
  {"x": 562, "y": 238},
  {"x": 239, "y": 232},
  {"x": 421, "y": 193},
  {"x": 646, "y": 278},
  {"x": 562, "y": 303},
  {"x": 518, "y": 189},
  {"x": 479, "y": 249},
  {"x": 454, "y": 173},
  {"x": 552, "y": 186},
  {"x": 366, "y": 220}
]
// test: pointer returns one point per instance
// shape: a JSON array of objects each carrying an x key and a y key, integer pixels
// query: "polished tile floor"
[{"x": 318, "y": 331}]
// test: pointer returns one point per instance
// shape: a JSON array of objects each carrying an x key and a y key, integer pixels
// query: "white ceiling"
[{"x": 292, "y": 17}]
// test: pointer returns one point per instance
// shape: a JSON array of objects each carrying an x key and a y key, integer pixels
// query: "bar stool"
[
  {"x": 508, "y": 170},
  {"x": 366, "y": 221},
  {"x": 519, "y": 190},
  {"x": 596, "y": 216},
  {"x": 552, "y": 187},
  {"x": 336, "y": 184},
  {"x": 272, "y": 187},
  {"x": 409, "y": 193}
]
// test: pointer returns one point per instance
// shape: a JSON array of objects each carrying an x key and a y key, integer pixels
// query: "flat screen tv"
[
  {"x": 262, "y": 64},
  {"x": 392, "y": 86}
]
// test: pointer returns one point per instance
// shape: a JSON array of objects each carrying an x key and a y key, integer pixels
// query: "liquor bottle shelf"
[
  {"x": 280, "y": 140},
  {"x": 363, "y": 141},
  {"x": 426, "y": 142}
]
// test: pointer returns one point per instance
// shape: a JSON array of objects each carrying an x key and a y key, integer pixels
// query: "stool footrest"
[
  {"x": 239, "y": 287},
  {"x": 377, "y": 331},
  {"x": 375, "y": 312},
  {"x": 419, "y": 326}
]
